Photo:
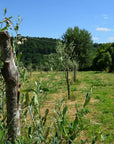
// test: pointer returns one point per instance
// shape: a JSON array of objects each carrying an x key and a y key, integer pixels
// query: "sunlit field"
[{"x": 100, "y": 110}]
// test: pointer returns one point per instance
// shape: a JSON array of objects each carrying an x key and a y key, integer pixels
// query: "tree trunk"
[
  {"x": 3, "y": 95},
  {"x": 30, "y": 73},
  {"x": 68, "y": 84},
  {"x": 11, "y": 76},
  {"x": 74, "y": 73}
]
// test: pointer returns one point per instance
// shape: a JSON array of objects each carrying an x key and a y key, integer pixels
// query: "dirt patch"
[{"x": 94, "y": 100}]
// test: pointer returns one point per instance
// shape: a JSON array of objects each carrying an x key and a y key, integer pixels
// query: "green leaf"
[
  {"x": 10, "y": 17},
  {"x": 102, "y": 138},
  {"x": 88, "y": 96},
  {"x": 70, "y": 128},
  {"x": 25, "y": 113},
  {"x": 73, "y": 136},
  {"x": 3, "y": 29},
  {"x": 16, "y": 27},
  {"x": 56, "y": 112},
  {"x": 83, "y": 142},
  {"x": 24, "y": 75},
  {"x": 8, "y": 142},
  {"x": 19, "y": 56},
  {"x": 94, "y": 140},
  {"x": 76, "y": 106},
  {"x": 47, "y": 132},
  {"x": 45, "y": 89},
  {"x": 19, "y": 35},
  {"x": 87, "y": 99},
  {"x": 35, "y": 99},
  {"x": 8, "y": 20},
  {"x": 75, "y": 122},
  {"x": 31, "y": 112},
  {"x": 44, "y": 118},
  {"x": 1, "y": 134},
  {"x": 46, "y": 112},
  {"x": 80, "y": 121},
  {"x": 5, "y": 11},
  {"x": 27, "y": 98},
  {"x": 63, "y": 131},
  {"x": 28, "y": 90},
  {"x": 65, "y": 110}
]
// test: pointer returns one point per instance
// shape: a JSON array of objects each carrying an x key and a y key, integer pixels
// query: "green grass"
[
  {"x": 100, "y": 111},
  {"x": 101, "y": 107}
]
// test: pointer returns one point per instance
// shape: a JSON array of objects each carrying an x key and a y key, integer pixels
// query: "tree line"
[
  {"x": 34, "y": 49},
  {"x": 41, "y": 52},
  {"x": 104, "y": 58}
]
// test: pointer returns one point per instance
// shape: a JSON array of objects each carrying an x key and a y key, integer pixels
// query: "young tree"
[
  {"x": 53, "y": 62},
  {"x": 29, "y": 67},
  {"x": 62, "y": 50}
]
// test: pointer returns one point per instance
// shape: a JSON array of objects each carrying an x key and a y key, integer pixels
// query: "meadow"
[{"x": 100, "y": 110}]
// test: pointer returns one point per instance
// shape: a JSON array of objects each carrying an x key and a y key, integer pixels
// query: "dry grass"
[{"x": 100, "y": 108}]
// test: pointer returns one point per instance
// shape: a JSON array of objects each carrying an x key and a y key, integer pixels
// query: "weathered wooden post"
[
  {"x": 11, "y": 76},
  {"x": 74, "y": 73},
  {"x": 68, "y": 84}
]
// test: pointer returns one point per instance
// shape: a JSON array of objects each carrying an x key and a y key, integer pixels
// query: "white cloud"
[
  {"x": 103, "y": 29},
  {"x": 111, "y": 38},
  {"x": 105, "y": 16}
]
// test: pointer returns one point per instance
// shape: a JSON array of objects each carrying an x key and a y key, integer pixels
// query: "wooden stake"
[{"x": 11, "y": 76}]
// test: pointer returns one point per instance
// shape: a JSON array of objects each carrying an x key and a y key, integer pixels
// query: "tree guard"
[{"x": 11, "y": 77}]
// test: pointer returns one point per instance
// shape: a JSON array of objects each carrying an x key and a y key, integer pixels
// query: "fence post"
[{"x": 11, "y": 77}]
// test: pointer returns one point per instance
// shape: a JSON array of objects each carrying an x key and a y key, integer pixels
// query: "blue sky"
[{"x": 51, "y": 18}]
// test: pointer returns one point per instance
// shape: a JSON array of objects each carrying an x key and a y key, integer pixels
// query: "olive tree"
[{"x": 62, "y": 50}]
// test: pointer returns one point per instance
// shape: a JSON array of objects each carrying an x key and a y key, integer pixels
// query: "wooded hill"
[
  {"x": 35, "y": 49},
  {"x": 36, "y": 52}
]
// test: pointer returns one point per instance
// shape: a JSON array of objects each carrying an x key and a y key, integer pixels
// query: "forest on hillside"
[
  {"x": 34, "y": 50},
  {"x": 37, "y": 52}
]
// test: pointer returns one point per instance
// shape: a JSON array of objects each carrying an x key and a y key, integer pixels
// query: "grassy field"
[{"x": 100, "y": 110}]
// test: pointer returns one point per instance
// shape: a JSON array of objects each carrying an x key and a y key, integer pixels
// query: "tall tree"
[
  {"x": 104, "y": 58},
  {"x": 82, "y": 42}
]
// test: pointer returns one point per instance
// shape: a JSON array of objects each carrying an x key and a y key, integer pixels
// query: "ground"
[{"x": 100, "y": 110}]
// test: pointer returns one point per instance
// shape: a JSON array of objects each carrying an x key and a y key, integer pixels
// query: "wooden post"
[
  {"x": 11, "y": 77},
  {"x": 74, "y": 73},
  {"x": 68, "y": 84}
]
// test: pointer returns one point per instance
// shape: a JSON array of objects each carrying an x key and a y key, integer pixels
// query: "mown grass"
[{"x": 100, "y": 110}]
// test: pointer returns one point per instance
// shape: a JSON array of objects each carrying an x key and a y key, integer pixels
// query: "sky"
[{"x": 51, "y": 18}]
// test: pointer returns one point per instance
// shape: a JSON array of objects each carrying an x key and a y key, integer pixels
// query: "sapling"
[{"x": 63, "y": 51}]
